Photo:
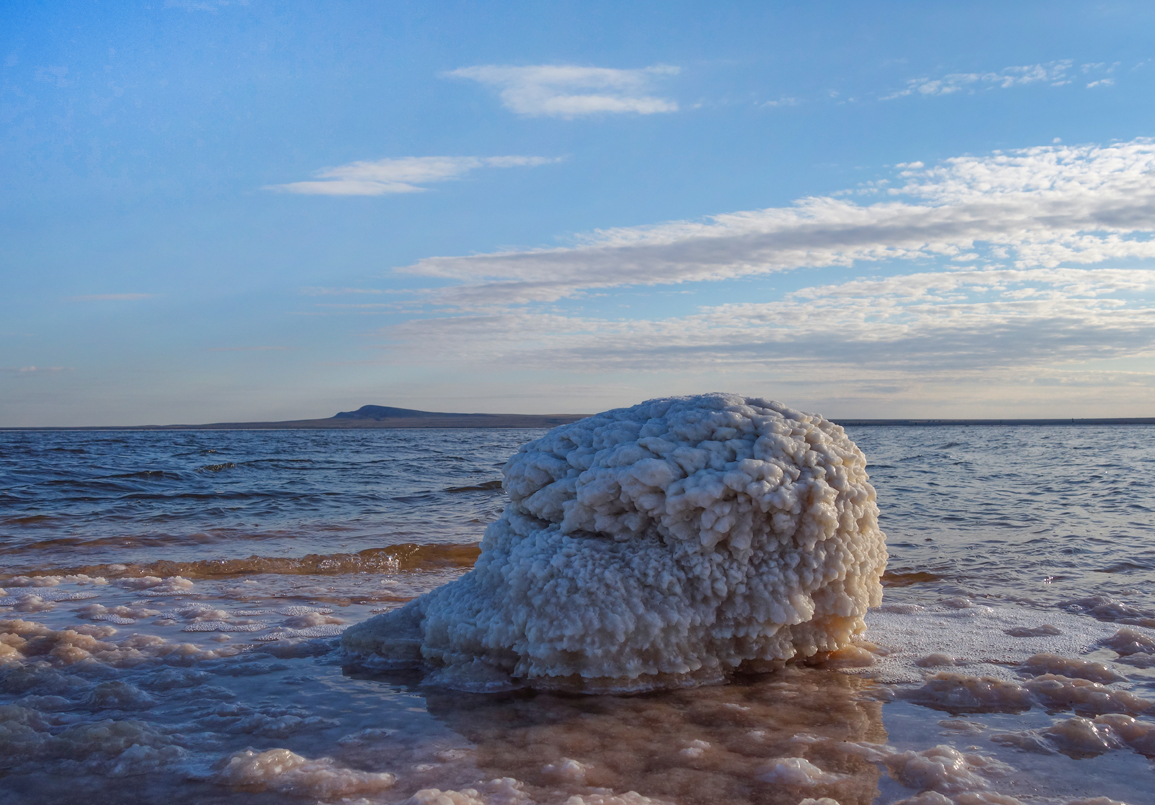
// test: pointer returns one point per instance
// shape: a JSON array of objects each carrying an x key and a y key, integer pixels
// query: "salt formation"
[
  {"x": 653, "y": 546},
  {"x": 284, "y": 771}
]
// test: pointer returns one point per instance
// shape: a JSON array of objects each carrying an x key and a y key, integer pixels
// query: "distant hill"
[
  {"x": 378, "y": 412},
  {"x": 384, "y": 416},
  {"x": 370, "y": 416}
]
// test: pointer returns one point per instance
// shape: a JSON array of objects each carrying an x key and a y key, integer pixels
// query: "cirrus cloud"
[
  {"x": 27, "y": 371},
  {"x": 402, "y": 175},
  {"x": 1056, "y": 73},
  {"x": 573, "y": 91}
]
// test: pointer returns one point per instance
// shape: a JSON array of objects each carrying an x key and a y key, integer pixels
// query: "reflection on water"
[{"x": 706, "y": 745}]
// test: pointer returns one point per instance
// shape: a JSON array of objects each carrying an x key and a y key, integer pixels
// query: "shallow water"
[{"x": 171, "y": 600}]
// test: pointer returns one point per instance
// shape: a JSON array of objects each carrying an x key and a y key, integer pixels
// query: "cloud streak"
[
  {"x": 403, "y": 175},
  {"x": 111, "y": 297},
  {"x": 1055, "y": 73},
  {"x": 1037, "y": 207},
  {"x": 971, "y": 320},
  {"x": 570, "y": 91},
  {"x": 27, "y": 371},
  {"x": 998, "y": 270}
]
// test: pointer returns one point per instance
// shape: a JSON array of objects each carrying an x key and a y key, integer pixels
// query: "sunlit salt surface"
[
  {"x": 656, "y": 546},
  {"x": 170, "y": 632}
]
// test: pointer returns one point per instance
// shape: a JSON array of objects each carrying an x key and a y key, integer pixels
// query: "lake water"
[{"x": 171, "y": 604}]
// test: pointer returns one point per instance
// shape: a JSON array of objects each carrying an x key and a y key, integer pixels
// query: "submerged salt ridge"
[
  {"x": 1015, "y": 668},
  {"x": 645, "y": 547}
]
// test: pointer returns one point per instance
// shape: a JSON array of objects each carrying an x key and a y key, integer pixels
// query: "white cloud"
[
  {"x": 1000, "y": 272},
  {"x": 962, "y": 321},
  {"x": 1036, "y": 207},
  {"x": 111, "y": 297},
  {"x": 25, "y": 371},
  {"x": 1103, "y": 82},
  {"x": 1056, "y": 73},
  {"x": 404, "y": 175},
  {"x": 571, "y": 91}
]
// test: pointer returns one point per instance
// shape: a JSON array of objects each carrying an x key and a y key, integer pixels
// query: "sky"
[{"x": 249, "y": 211}]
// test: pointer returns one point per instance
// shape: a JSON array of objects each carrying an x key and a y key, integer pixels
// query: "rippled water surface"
[
  {"x": 171, "y": 600},
  {"x": 82, "y": 498}
]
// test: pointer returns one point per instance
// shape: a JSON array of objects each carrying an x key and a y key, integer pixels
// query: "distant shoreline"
[
  {"x": 882, "y": 423},
  {"x": 527, "y": 421},
  {"x": 504, "y": 421}
]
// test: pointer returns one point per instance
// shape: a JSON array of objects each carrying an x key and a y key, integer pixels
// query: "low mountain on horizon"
[{"x": 378, "y": 412}]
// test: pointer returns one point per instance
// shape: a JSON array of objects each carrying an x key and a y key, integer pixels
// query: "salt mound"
[{"x": 653, "y": 546}]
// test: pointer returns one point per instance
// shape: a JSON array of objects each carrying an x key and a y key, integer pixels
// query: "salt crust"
[
  {"x": 52, "y": 581},
  {"x": 655, "y": 546},
  {"x": 963, "y": 693},
  {"x": 796, "y": 771},
  {"x": 127, "y": 747},
  {"x": 993, "y": 641},
  {"x": 286, "y": 772},
  {"x": 1128, "y": 642},
  {"x": 968, "y": 798},
  {"x": 1048, "y": 663},
  {"x": 568, "y": 770},
  {"x": 1108, "y": 609},
  {"x": 628, "y": 798},
  {"x": 46, "y": 595},
  {"x": 224, "y": 626},
  {"x": 507, "y": 791},
  {"x": 1083, "y": 737},
  {"x": 503, "y": 791},
  {"x": 942, "y": 768}
]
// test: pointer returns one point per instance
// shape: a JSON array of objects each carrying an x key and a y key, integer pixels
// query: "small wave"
[
  {"x": 45, "y": 594},
  {"x": 147, "y": 475},
  {"x": 256, "y": 462},
  {"x": 228, "y": 465},
  {"x": 130, "y": 541},
  {"x": 1128, "y": 566},
  {"x": 488, "y": 486},
  {"x": 30, "y": 520},
  {"x": 1110, "y": 610},
  {"x": 898, "y": 579},
  {"x": 392, "y": 558}
]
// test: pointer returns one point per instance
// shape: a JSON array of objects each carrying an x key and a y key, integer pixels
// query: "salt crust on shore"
[
  {"x": 119, "y": 681},
  {"x": 93, "y": 702},
  {"x": 1002, "y": 642},
  {"x": 283, "y": 771},
  {"x": 655, "y": 546}
]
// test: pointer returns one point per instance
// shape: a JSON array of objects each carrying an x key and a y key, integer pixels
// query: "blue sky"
[{"x": 248, "y": 211}]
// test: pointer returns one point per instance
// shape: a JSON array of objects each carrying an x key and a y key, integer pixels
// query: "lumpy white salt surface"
[{"x": 673, "y": 541}]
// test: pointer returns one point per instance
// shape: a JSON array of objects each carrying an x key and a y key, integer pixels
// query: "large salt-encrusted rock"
[{"x": 657, "y": 545}]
